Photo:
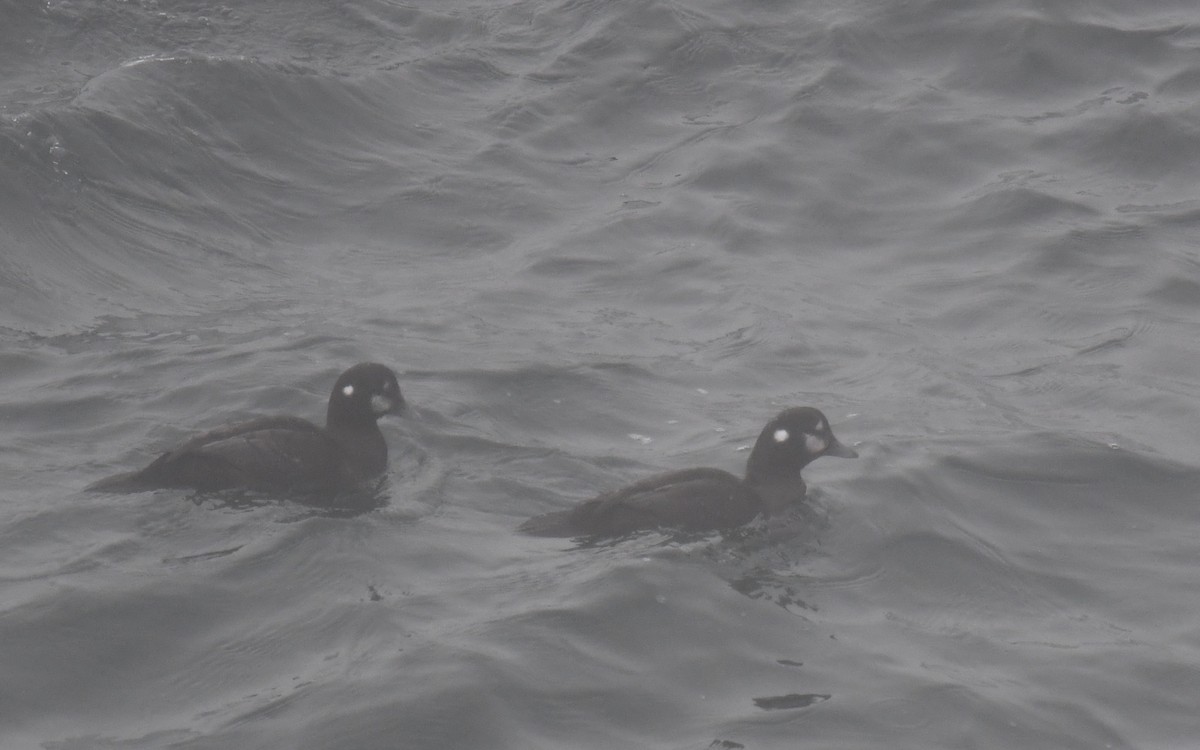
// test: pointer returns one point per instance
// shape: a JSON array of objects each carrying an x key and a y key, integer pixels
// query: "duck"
[
  {"x": 284, "y": 454},
  {"x": 707, "y": 499}
]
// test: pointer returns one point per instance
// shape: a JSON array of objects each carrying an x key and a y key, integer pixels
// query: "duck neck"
[
  {"x": 360, "y": 441},
  {"x": 340, "y": 420},
  {"x": 778, "y": 493}
]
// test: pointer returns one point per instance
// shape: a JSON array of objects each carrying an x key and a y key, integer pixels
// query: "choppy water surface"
[{"x": 601, "y": 239}]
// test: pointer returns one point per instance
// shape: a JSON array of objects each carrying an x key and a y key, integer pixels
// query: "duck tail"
[
  {"x": 129, "y": 481},
  {"x": 559, "y": 523}
]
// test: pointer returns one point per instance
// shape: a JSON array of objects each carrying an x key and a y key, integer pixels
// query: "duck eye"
[{"x": 348, "y": 391}]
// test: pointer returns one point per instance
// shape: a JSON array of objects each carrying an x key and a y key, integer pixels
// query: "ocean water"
[{"x": 599, "y": 240}]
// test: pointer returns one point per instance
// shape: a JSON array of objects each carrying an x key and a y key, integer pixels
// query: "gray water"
[{"x": 599, "y": 240}]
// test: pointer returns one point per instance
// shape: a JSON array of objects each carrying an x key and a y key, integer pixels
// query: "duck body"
[
  {"x": 689, "y": 500},
  {"x": 706, "y": 499}
]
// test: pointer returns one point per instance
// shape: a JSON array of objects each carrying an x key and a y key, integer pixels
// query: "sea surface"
[{"x": 599, "y": 240}]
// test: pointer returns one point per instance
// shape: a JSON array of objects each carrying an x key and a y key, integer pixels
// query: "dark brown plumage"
[
  {"x": 708, "y": 499},
  {"x": 285, "y": 454}
]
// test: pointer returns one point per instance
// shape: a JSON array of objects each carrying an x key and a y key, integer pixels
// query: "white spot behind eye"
[
  {"x": 814, "y": 443},
  {"x": 348, "y": 390},
  {"x": 781, "y": 435}
]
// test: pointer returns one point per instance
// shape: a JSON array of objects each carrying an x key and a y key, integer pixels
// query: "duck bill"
[
  {"x": 841, "y": 451},
  {"x": 383, "y": 405}
]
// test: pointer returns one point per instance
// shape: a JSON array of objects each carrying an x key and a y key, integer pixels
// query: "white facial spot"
[
  {"x": 781, "y": 435},
  {"x": 820, "y": 425},
  {"x": 814, "y": 443},
  {"x": 348, "y": 390},
  {"x": 381, "y": 404}
]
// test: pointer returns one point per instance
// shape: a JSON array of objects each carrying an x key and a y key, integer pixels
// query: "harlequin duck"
[
  {"x": 285, "y": 454},
  {"x": 707, "y": 499}
]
